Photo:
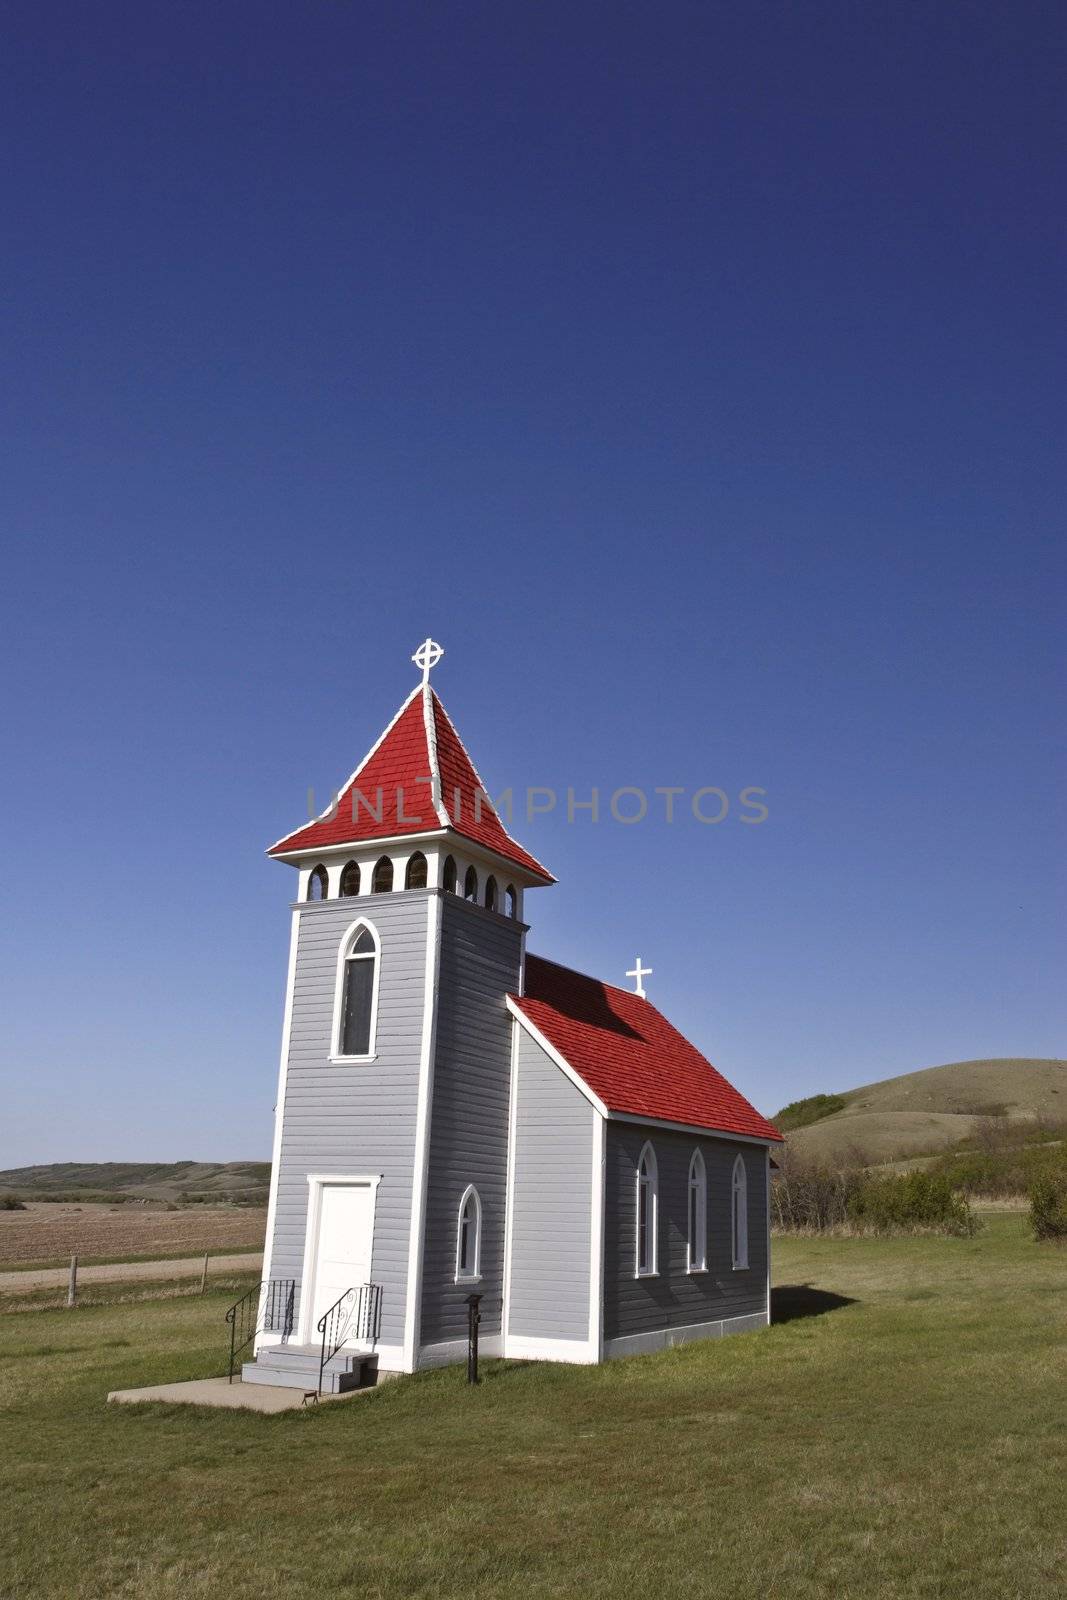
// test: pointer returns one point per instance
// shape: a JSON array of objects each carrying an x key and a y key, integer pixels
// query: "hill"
[
  {"x": 239, "y": 1182},
  {"x": 932, "y": 1109}
]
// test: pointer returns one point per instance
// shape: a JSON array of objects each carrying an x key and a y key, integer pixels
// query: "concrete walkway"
[
  {"x": 130, "y": 1271},
  {"x": 218, "y": 1392}
]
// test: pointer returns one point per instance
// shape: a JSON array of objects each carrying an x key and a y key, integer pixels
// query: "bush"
[
  {"x": 802, "y": 1113},
  {"x": 1048, "y": 1206},
  {"x": 11, "y": 1202},
  {"x": 911, "y": 1202}
]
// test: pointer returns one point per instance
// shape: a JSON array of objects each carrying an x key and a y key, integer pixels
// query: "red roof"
[
  {"x": 629, "y": 1055},
  {"x": 391, "y": 795}
]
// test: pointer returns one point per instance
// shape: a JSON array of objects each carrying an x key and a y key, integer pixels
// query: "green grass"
[
  {"x": 53, "y": 1263},
  {"x": 909, "y": 1441}
]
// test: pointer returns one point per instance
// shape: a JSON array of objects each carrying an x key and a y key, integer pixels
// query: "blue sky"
[{"x": 693, "y": 373}]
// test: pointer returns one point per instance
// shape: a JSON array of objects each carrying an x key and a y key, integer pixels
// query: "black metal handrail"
[
  {"x": 354, "y": 1315},
  {"x": 261, "y": 1312}
]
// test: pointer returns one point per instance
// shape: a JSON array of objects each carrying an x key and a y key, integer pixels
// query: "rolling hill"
[
  {"x": 924, "y": 1111},
  {"x": 243, "y": 1182}
]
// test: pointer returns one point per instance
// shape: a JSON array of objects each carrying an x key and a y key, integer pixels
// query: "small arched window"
[
  {"x": 469, "y": 1237},
  {"x": 647, "y": 1262},
  {"x": 511, "y": 901},
  {"x": 698, "y": 1214},
  {"x": 359, "y": 992},
  {"x": 318, "y": 883},
  {"x": 382, "y": 881},
  {"x": 415, "y": 875},
  {"x": 350, "y": 878},
  {"x": 448, "y": 877},
  {"x": 490, "y": 894},
  {"x": 470, "y": 885},
  {"x": 739, "y": 1210}
]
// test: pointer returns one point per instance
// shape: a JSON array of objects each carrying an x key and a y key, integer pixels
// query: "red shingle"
[{"x": 630, "y": 1055}]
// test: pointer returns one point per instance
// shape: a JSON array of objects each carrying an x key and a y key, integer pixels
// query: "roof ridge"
[{"x": 617, "y": 987}]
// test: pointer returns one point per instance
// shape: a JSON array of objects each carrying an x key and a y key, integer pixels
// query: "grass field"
[{"x": 901, "y": 1434}]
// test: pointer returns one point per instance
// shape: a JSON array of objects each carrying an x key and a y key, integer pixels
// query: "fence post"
[
  {"x": 203, "y": 1277},
  {"x": 72, "y": 1283}
]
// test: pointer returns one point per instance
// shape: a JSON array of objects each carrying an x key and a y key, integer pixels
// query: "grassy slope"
[
  {"x": 901, "y": 1445},
  {"x": 159, "y": 1181},
  {"x": 920, "y": 1111}
]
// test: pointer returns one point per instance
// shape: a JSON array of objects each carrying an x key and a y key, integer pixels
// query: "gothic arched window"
[
  {"x": 739, "y": 1213},
  {"x": 511, "y": 901},
  {"x": 469, "y": 1237},
  {"x": 470, "y": 885},
  {"x": 647, "y": 1251},
  {"x": 358, "y": 992},
  {"x": 318, "y": 883},
  {"x": 448, "y": 878},
  {"x": 698, "y": 1214},
  {"x": 382, "y": 881},
  {"x": 490, "y": 894},
  {"x": 415, "y": 875},
  {"x": 350, "y": 878}
]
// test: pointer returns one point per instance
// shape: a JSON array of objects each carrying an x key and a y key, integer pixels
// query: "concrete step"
[{"x": 292, "y": 1368}]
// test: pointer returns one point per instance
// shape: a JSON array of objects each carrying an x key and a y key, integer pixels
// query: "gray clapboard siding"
[
  {"x": 480, "y": 958},
  {"x": 357, "y": 1119},
  {"x": 551, "y": 1225},
  {"x": 676, "y": 1297}
]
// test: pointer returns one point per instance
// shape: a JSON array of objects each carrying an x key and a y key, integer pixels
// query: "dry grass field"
[{"x": 49, "y": 1234}]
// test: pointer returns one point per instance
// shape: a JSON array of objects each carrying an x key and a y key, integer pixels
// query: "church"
[{"x": 457, "y": 1116}]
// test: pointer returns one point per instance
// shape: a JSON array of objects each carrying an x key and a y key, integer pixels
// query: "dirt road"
[{"x": 123, "y": 1271}]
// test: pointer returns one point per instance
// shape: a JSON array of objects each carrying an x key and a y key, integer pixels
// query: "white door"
[{"x": 343, "y": 1249}]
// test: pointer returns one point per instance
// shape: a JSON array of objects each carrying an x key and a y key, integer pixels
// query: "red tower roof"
[
  {"x": 418, "y": 778},
  {"x": 629, "y": 1055}
]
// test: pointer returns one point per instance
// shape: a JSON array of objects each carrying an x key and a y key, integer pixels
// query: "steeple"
[{"x": 417, "y": 779}]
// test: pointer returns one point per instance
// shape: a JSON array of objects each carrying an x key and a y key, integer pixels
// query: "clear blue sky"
[{"x": 693, "y": 373}]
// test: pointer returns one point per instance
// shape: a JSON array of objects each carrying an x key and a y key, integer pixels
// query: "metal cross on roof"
[
  {"x": 427, "y": 656},
  {"x": 638, "y": 972}
]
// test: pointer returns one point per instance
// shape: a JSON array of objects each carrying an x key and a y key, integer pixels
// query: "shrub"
[
  {"x": 911, "y": 1202},
  {"x": 1048, "y": 1206},
  {"x": 802, "y": 1113},
  {"x": 11, "y": 1202}
]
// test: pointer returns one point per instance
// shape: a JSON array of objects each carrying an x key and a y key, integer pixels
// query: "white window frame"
[
  {"x": 697, "y": 1241},
  {"x": 649, "y": 1269},
  {"x": 344, "y": 951},
  {"x": 474, "y": 1273},
  {"x": 739, "y": 1214}
]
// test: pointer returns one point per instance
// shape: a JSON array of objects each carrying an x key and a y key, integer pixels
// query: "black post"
[{"x": 474, "y": 1316}]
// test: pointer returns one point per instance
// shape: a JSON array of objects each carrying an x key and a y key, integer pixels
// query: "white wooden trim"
[
  {"x": 696, "y": 1160},
  {"x": 279, "y": 1109},
  {"x": 317, "y": 1181},
  {"x": 338, "y": 994},
  {"x": 519, "y": 1348},
  {"x": 435, "y": 765},
  {"x": 689, "y": 1127},
  {"x": 739, "y": 1215},
  {"x": 561, "y": 1061},
  {"x": 413, "y": 1305},
  {"x": 509, "y": 1187},
  {"x": 596, "y": 1239},
  {"x": 767, "y": 1181}
]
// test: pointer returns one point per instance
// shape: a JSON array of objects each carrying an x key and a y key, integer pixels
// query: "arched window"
[
  {"x": 469, "y": 1237},
  {"x": 647, "y": 1263},
  {"x": 318, "y": 883},
  {"x": 739, "y": 1208},
  {"x": 350, "y": 878},
  {"x": 358, "y": 991},
  {"x": 448, "y": 877},
  {"x": 382, "y": 881},
  {"x": 511, "y": 901},
  {"x": 490, "y": 894},
  {"x": 415, "y": 876},
  {"x": 698, "y": 1214},
  {"x": 470, "y": 885}
]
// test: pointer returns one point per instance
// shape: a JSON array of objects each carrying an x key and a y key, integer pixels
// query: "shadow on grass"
[{"x": 794, "y": 1300}]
